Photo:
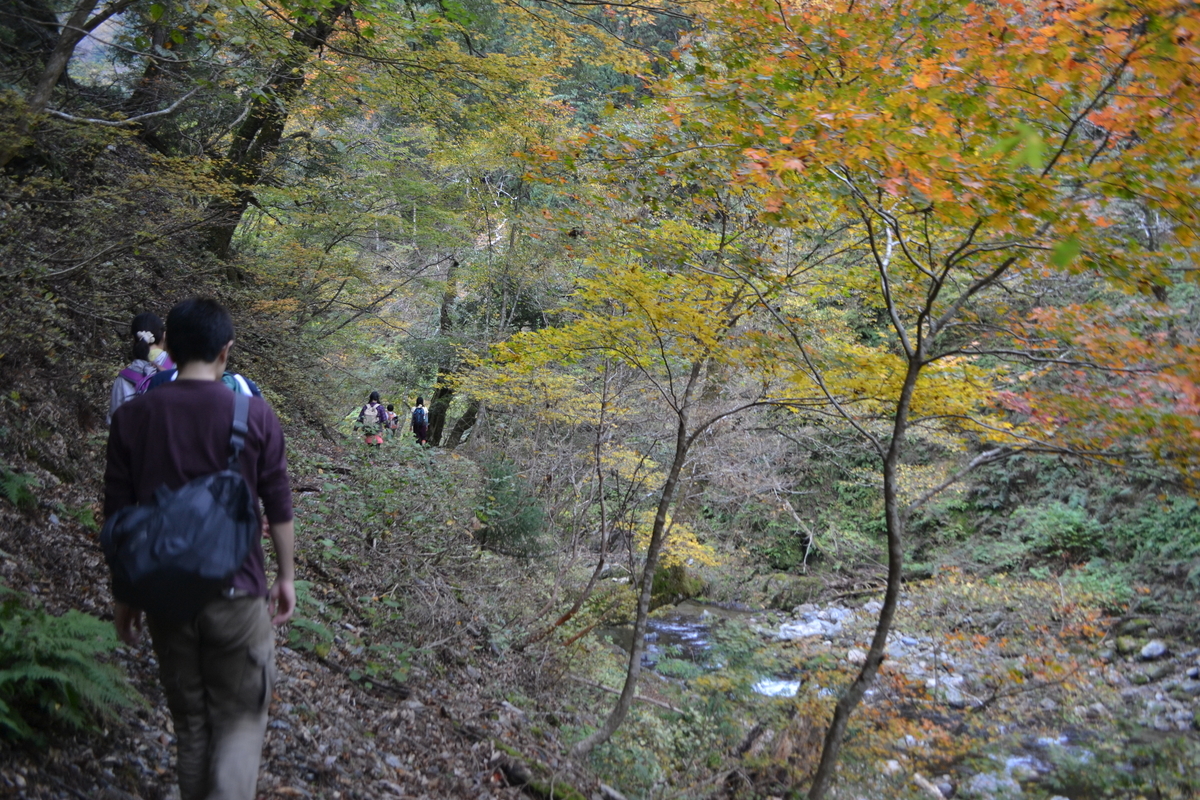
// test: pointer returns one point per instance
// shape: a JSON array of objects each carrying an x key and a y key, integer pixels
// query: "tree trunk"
[
  {"x": 895, "y": 536},
  {"x": 657, "y": 536},
  {"x": 443, "y": 392},
  {"x": 261, "y": 132},
  {"x": 71, "y": 35},
  {"x": 463, "y": 424},
  {"x": 78, "y": 26},
  {"x": 148, "y": 93}
]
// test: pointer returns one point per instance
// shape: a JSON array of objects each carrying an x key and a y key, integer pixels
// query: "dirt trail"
[{"x": 443, "y": 734}]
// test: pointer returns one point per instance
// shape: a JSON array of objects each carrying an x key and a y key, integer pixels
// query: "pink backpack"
[{"x": 140, "y": 382}]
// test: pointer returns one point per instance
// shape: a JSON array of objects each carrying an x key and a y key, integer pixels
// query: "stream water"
[{"x": 685, "y": 632}]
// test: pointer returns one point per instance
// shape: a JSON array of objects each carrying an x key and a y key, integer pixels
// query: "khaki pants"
[{"x": 217, "y": 672}]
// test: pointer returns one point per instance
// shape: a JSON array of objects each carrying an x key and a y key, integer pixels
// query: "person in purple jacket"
[{"x": 218, "y": 669}]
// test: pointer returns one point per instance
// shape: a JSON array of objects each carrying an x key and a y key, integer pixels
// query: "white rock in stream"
[
  {"x": 986, "y": 786},
  {"x": 773, "y": 687},
  {"x": 790, "y": 631},
  {"x": 1153, "y": 650}
]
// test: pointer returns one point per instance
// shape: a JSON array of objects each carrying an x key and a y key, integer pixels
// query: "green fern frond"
[{"x": 53, "y": 666}]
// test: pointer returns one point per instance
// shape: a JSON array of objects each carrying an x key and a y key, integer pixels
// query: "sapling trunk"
[
  {"x": 657, "y": 535},
  {"x": 895, "y": 537}
]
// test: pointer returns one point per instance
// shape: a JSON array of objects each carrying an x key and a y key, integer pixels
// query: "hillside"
[{"x": 370, "y": 702}]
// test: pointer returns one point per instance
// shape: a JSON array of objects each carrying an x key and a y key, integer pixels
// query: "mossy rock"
[
  {"x": 1133, "y": 627},
  {"x": 796, "y": 590},
  {"x": 1127, "y": 645},
  {"x": 674, "y": 584}
]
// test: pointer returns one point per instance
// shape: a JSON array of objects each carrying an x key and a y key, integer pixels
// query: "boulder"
[
  {"x": 948, "y": 689},
  {"x": 1132, "y": 627},
  {"x": 856, "y": 656},
  {"x": 674, "y": 584},
  {"x": 1186, "y": 690},
  {"x": 793, "y": 590},
  {"x": 1159, "y": 672},
  {"x": 790, "y": 631},
  {"x": 1127, "y": 645},
  {"x": 836, "y": 614},
  {"x": 1154, "y": 650},
  {"x": 987, "y": 786}
]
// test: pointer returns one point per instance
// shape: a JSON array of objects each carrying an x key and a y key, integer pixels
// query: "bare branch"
[{"x": 171, "y": 109}]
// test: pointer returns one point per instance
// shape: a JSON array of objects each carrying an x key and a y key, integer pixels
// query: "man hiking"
[{"x": 218, "y": 667}]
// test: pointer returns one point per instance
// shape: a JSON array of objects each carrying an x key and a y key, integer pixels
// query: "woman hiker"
[{"x": 372, "y": 419}]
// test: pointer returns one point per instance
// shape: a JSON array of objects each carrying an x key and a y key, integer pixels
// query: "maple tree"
[
  {"x": 976, "y": 150},
  {"x": 670, "y": 329}
]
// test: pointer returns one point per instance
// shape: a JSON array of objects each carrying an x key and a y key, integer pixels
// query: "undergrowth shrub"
[
  {"x": 1062, "y": 531},
  {"x": 1163, "y": 531},
  {"x": 513, "y": 517},
  {"x": 50, "y": 670},
  {"x": 1104, "y": 584}
]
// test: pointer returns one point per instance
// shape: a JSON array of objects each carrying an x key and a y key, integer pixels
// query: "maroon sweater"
[{"x": 180, "y": 431}]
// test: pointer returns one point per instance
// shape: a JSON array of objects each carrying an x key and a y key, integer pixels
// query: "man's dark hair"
[{"x": 197, "y": 329}]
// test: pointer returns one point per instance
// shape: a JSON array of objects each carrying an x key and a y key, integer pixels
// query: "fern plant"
[
  {"x": 50, "y": 671},
  {"x": 15, "y": 487}
]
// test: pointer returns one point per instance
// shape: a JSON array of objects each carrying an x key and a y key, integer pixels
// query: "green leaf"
[
  {"x": 1065, "y": 251},
  {"x": 1032, "y": 148},
  {"x": 457, "y": 13},
  {"x": 156, "y": 11}
]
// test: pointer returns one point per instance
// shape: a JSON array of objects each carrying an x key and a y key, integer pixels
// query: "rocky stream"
[{"x": 1035, "y": 708}]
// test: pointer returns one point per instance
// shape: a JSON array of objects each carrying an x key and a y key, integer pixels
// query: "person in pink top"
[{"x": 373, "y": 420}]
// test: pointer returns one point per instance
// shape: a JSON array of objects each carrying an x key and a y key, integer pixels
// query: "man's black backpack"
[{"x": 172, "y": 556}]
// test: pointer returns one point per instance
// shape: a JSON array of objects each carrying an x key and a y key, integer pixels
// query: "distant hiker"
[
  {"x": 372, "y": 420},
  {"x": 420, "y": 421},
  {"x": 393, "y": 420},
  {"x": 146, "y": 332},
  {"x": 217, "y": 667}
]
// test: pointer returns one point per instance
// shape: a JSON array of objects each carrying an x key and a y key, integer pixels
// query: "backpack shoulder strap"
[
  {"x": 131, "y": 375},
  {"x": 237, "y": 436}
]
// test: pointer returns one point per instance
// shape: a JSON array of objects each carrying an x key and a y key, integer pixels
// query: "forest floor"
[{"x": 444, "y": 730}]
